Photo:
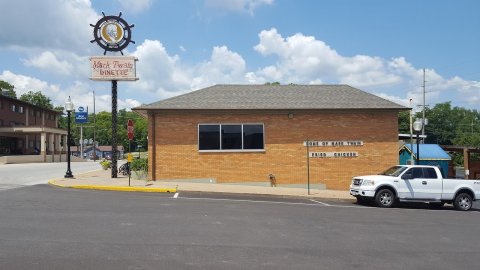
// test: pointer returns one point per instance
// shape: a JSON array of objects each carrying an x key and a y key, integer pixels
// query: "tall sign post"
[
  {"x": 81, "y": 117},
  {"x": 113, "y": 34},
  {"x": 130, "y": 138}
]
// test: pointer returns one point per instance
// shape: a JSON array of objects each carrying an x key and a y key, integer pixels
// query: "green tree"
[
  {"x": 272, "y": 83},
  {"x": 404, "y": 122},
  {"x": 37, "y": 99},
  {"x": 8, "y": 88},
  {"x": 103, "y": 129}
]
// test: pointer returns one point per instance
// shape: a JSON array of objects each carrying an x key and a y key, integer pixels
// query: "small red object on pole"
[{"x": 130, "y": 129}]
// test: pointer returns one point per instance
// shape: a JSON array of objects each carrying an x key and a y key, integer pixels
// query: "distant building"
[
  {"x": 430, "y": 154},
  {"x": 102, "y": 151},
  {"x": 26, "y": 129},
  {"x": 255, "y": 133}
]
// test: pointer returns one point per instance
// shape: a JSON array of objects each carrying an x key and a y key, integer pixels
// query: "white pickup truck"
[{"x": 415, "y": 183}]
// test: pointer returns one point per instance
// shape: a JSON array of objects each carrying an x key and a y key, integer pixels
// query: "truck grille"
[{"x": 357, "y": 182}]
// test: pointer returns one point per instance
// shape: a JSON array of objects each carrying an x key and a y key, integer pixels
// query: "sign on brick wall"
[
  {"x": 332, "y": 143},
  {"x": 333, "y": 154}
]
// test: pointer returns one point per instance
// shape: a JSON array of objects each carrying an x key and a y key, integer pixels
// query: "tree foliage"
[
  {"x": 37, "y": 99},
  {"x": 447, "y": 125},
  {"x": 8, "y": 88},
  {"x": 272, "y": 83},
  {"x": 103, "y": 129}
]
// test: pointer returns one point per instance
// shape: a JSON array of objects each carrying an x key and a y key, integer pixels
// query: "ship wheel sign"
[{"x": 112, "y": 33}]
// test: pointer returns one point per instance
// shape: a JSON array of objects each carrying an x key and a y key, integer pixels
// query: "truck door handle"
[{"x": 424, "y": 182}]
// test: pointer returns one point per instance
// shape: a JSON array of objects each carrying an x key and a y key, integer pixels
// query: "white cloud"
[
  {"x": 23, "y": 84},
  {"x": 237, "y": 5},
  {"x": 159, "y": 72},
  {"x": 47, "y": 60},
  {"x": 163, "y": 75},
  {"x": 224, "y": 66},
  {"x": 304, "y": 58},
  {"x": 49, "y": 24},
  {"x": 81, "y": 93},
  {"x": 135, "y": 6}
]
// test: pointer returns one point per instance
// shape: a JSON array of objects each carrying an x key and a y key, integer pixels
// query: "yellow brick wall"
[{"x": 177, "y": 155}]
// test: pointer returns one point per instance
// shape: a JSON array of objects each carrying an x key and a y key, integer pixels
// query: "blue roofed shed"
[{"x": 430, "y": 154}]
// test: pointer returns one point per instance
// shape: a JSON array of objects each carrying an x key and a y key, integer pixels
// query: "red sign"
[{"x": 130, "y": 129}]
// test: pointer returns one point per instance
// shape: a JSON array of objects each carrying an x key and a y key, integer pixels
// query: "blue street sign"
[{"x": 81, "y": 117}]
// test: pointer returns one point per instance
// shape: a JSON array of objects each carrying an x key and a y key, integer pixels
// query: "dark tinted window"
[
  {"x": 252, "y": 136},
  {"x": 231, "y": 137},
  {"x": 209, "y": 137},
  {"x": 430, "y": 173},
  {"x": 417, "y": 173}
]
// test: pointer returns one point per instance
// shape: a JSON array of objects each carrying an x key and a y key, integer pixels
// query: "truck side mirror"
[{"x": 407, "y": 176}]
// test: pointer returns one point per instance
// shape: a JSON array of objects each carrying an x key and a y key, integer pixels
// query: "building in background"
[
  {"x": 430, "y": 154},
  {"x": 102, "y": 151},
  {"x": 26, "y": 129},
  {"x": 253, "y": 133}
]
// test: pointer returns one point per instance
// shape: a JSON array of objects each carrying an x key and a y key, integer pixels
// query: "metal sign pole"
[
  {"x": 129, "y": 160},
  {"x": 81, "y": 141},
  {"x": 114, "y": 129},
  {"x": 308, "y": 167}
]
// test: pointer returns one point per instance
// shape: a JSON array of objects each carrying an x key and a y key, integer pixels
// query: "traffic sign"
[
  {"x": 81, "y": 117},
  {"x": 130, "y": 129}
]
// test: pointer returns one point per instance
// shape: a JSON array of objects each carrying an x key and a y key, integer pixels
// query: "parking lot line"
[
  {"x": 326, "y": 204},
  {"x": 251, "y": 201}
]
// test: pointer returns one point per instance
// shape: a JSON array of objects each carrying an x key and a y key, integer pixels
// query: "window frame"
[{"x": 220, "y": 138}]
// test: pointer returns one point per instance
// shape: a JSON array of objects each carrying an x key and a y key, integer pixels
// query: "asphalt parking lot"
[{"x": 45, "y": 227}]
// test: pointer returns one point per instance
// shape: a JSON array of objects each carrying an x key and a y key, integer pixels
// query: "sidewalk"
[{"x": 101, "y": 180}]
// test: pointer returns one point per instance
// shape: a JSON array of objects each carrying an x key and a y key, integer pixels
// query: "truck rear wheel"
[
  {"x": 463, "y": 202},
  {"x": 385, "y": 198}
]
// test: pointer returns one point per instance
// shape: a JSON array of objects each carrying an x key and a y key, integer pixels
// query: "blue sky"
[{"x": 378, "y": 46}]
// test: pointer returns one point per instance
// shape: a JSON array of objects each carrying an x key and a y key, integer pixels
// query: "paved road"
[
  {"x": 18, "y": 175},
  {"x": 44, "y": 227}
]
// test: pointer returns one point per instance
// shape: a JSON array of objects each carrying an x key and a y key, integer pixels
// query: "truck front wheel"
[
  {"x": 462, "y": 202},
  {"x": 385, "y": 198}
]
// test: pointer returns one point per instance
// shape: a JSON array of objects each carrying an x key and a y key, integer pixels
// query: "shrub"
[
  {"x": 139, "y": 164},
  {"x": 105, "y": 164}
]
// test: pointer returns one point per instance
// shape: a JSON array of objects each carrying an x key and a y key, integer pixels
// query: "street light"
[
  {"x": 417, "y": 126},
  {"x": 69, "y": 108}
]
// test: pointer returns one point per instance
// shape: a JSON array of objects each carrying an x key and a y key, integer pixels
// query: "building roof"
[
  {"x": 247, "y": 97},
  {"x": 29, "y": 104},
  {"x": 428, "y": 151}
]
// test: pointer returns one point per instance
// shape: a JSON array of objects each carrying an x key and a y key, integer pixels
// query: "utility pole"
[
  {"x": 411, "y": 131},
  {"x": 423, "y": 108}
]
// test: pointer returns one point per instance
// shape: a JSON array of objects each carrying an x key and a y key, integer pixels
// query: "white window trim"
[{"x": 229, "y": 150}]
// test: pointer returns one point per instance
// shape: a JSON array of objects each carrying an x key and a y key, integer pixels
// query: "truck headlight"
[{"x": 368, "y": 182}]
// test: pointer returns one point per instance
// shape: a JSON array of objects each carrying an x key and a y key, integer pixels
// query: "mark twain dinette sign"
[{"x": 108, "y": 68}]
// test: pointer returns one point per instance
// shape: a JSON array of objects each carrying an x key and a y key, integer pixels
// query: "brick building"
[
  {"x": 246, "y": 133},
  {"x": 26, "y": 129}
]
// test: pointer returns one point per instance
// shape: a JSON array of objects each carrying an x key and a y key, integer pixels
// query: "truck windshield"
[{"x": 394, "y": 171}]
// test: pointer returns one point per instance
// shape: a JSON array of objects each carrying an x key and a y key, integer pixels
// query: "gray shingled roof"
[{"x": 246, "y": 97}]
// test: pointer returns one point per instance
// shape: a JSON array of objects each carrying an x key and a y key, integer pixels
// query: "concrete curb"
[{"x": 117, "y": 188}]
